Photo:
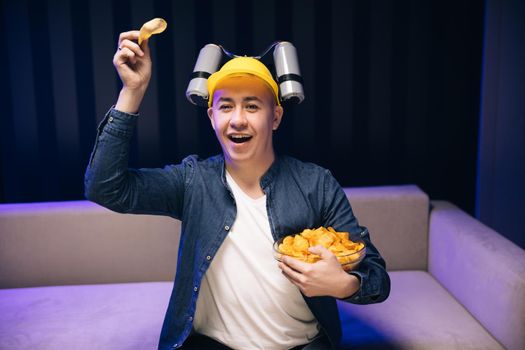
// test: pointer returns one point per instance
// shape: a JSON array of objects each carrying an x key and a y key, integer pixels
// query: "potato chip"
[
  {"x": 343, "y": 236},
  {"x": 285, "y": 248},
  {"x": 337, "y": 247},
  {"x": 300, "y": 244},
  {"x": 325, "y": 240},
  {"x": 288, "y": 240},
  {"x": 155, "y": 26},
  {"x": 308, "y": 234}
]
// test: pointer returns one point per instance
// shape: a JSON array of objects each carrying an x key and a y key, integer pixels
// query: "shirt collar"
[
  {"x": 271, "y": 173},
  {"x": 266, "y": 179}
]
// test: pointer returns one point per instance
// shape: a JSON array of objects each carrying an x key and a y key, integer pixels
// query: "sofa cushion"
[
  {"x": 419, "y": 314},
  {"x": 397, "y": 218},
  {"x": 105, "y": 316}
]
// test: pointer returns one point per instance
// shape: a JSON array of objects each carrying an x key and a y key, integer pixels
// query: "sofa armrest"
[{"x": 481, "y": 269}]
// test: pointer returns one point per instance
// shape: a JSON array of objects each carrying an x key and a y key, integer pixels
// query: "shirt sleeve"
[
  {"x": 110, "y": 183},
  {"x": 372, "y": 274}
]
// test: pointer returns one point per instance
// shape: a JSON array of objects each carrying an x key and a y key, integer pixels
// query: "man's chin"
[{"x": 239, "y": 157}]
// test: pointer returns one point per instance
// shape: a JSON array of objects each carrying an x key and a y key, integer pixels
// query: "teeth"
[{"x": 239, "y": 138}]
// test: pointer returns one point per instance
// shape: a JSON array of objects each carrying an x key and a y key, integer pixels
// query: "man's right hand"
[{"x": 133, "y": 65}]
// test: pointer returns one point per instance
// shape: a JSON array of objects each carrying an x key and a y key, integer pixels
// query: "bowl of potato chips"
[{"x": 348, "y": 252}]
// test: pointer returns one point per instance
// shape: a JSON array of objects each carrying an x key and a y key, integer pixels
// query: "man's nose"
[{"x": 238, "y": 118}]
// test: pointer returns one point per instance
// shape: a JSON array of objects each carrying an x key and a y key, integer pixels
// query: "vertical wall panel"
[
  {"x": 223, "y": 30},
  {"x": 205, "y": 19},
  {"x": 186, "y": 52},
  {"x": 243, "y": 26},
  {"x": 65, "y": 100},
  {"x": 6, "y": 138},
  {"x": 284, "y": 19},
  {"x": 167, "y": 90},
  {"x": 24, "y": 149},
  {"x": 44, "y": 102},
  {"x": 342, "y": 83},
  {"x": 323, "y": 75},
  {"x": 104, "y": 42},
  {"x": 417, "y": 98},
  {"x": 302, "y": 122},
  {"x": 380, "y": 76},
  {"x": 360, "y": 108},
  {"x": 263, "y": 26},
  {"x": 85, "y": 89},
  {"x": 396, "y": 160}
]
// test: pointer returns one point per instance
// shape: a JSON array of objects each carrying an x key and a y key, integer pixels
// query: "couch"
[{"x": 74, "y": 275}]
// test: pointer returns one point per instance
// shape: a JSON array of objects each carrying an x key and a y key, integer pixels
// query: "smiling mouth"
[{"x": 239, "y": 138}]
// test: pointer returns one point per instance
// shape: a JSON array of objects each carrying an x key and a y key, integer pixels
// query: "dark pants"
[{"x": 198, "y": 341}]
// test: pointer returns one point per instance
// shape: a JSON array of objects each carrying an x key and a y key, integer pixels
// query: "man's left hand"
[{"x": 324, "y": 277}]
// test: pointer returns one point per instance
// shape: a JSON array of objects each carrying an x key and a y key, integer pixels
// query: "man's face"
[{"x": 244, "y": 115}]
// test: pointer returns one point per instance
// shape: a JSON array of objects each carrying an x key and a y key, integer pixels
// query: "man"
[{"x": 229, "y": 292}]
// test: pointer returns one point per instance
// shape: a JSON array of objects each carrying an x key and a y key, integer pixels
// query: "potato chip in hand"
[{"x": 155, "y": 26}]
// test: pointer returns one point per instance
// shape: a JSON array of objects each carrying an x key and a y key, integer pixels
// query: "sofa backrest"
[
  {"x": 397, "y": 219},
  {"x": 79, "y": 242}
]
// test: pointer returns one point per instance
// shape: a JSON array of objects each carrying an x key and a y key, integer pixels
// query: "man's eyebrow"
[
  {"x": 246, "y": 99},
  {"x": 252, "y": 98}
]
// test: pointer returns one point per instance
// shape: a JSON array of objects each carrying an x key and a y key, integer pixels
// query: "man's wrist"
[
  {"x": 351, "y": 285},
  {"x": 129, "y": 100}
]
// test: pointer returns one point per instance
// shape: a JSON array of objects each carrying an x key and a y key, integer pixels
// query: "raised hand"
[{"x": 133, "y": 65}]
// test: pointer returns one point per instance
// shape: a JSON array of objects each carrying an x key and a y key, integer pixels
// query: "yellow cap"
[{"x": 240, "y": 65}]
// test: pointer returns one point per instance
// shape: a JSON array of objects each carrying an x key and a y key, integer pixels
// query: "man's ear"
[
  {"x": 210, "y": 115},
  {"x": 277, "y": 116}
]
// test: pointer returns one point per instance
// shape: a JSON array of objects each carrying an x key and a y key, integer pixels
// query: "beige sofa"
[{"x": 74, "y": 275}]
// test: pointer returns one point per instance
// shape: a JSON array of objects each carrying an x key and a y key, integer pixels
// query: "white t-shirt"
[{"x": 245, "y": 302}]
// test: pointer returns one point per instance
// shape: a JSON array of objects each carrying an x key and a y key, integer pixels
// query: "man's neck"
[{"x": 247, "y": 175}]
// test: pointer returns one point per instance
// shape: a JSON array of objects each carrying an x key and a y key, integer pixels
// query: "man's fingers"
[
  {"x": 132, "y": 46},
  {"x": 295, "y": 264},
  {"x": 131, "y": 35},
  {"x": 294, "y": 276},
  {"x": 288, "y": 277},
  {"x": 321, "y": 251},
  {"x": 129, "y": 40},
  {"x": 125, "y": 55}
]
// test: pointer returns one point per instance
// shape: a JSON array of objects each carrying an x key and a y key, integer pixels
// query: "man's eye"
[
  {"x": 252, "y": 107},
  {"x": 225, "y": 107}
]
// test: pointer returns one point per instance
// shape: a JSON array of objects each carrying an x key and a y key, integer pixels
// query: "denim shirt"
[{"x": 298, "y": 196}]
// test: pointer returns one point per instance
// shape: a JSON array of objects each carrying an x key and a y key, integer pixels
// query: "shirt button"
[
  {"x": 175, "y": 345},
  {"x": 195, "y": 288},
  {"x": 227, "y": 228},
  {"x": 110, "y": 119},
  {"x": 208, "y": 257},
  {"x": 190, "y": 318}
]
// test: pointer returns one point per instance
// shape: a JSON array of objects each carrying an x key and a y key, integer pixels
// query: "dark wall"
[
  {"x": 392, "y": 87},
  {"x": 501, "y": 186}
]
